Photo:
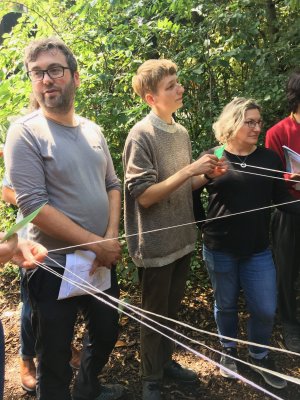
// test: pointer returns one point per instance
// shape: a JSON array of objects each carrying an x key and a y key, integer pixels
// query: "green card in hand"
[
  {"x": 219, "y": 151},
  {"x": 15, "y": 228}
]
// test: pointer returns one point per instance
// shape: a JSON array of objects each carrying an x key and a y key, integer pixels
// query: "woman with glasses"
[{"x": 236, "y": 243}]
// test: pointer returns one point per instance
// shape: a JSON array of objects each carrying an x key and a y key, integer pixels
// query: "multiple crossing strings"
[{"x": 141, "y": 316}]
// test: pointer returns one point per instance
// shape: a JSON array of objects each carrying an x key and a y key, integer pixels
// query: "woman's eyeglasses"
[{"x": 252, "y": 124}]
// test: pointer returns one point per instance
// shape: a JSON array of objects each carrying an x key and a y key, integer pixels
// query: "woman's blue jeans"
[
  {"x": 27, "y": 337},
  {"x": 256, "y": 276}
]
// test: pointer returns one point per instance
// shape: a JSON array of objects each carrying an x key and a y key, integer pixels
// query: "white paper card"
[
  {"x": 292, "y": 159},
  {"x": 80, "y": 263}
]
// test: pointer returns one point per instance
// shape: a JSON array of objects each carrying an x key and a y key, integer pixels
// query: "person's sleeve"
[
  {"x": 25, "y": 168},
  {"x": 190, "y": 149},
  {"x": 112, "y": 182},
  {"x": 140, "y": 173},
  {"x": 199, "y": 212},
  {"x": 6, "y": 182},
  {"x": 274, "y": 143}
]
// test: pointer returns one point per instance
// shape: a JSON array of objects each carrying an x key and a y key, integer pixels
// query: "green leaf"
[{"x": 21, "y": 224}]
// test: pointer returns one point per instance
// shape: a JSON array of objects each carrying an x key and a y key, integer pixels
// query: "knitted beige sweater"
[{"x": 155, "y": 150}]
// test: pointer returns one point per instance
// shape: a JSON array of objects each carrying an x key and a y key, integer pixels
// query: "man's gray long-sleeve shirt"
[{"x": 70, "y": 168}]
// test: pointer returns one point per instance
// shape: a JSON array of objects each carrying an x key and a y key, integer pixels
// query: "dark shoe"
[
  {"x": 151, "y": 390},
  {"x": 291, "y": 337},
  {"x": 111, "y": 392},
  {"x": 28, "y": 375},
  {"x": 269, "y": 378},
  {"x": 228, "y": 362},
  {"x": 176, "y": 371}
]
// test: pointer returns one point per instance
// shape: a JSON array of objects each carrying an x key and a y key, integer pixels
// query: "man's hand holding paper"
[{"x": 78, "y": 267}]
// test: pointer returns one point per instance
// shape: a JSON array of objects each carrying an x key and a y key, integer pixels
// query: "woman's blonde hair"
[
  {"x": 150, "y": 73},
  {"x": 232, "y": 118}
]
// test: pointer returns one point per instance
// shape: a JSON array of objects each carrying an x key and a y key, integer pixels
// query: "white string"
[
  {"x": 195, "y": 222},
  {"x": 156, "y": 230},
  {"x": 254, "y": 173},
  {"x": 88, "y": 285},
  {"x": 175, "y": 226},
  {"x": 165, "y": 335},
  {"x": 142, "y": 312},
  {"x": 265, "y": 169},
  {"x": 291, "y": 379}
]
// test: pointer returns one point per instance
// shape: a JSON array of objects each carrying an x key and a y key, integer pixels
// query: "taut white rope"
[
  {"x": 134, "y": 309},
  {"x": 266, "y": 169},
  {"x": 142, "y": 312},
  {"x": 165, "y": 335},
  {"x": 175, "y": 226},
  {"x": 263, "y": 175}
]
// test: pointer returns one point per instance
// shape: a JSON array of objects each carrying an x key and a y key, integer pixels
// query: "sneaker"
[
  {"x": 228, "y": 362},
  {"x": 291, "y": 337},
  {"x": 268, "y": 363},
  {"x": 175, "y": 371},
  {"x": 151, "y": 390},
  {"x": 111, "y": 392}
]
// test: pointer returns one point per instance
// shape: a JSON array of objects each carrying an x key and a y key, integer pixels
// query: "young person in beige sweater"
[{"x": 159, "y": 179}]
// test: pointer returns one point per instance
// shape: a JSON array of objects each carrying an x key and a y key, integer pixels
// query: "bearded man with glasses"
[{"x": 55, "y": 156}]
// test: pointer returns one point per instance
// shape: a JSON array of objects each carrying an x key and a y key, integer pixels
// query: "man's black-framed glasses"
[{"x": 53, "y": 73}]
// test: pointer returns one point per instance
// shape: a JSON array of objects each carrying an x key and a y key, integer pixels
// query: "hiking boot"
[
  {"x": 228, "y": 362},
  {"x": 111, "y": 392},
  {"x": 28, "y": 375},
  {"x": 151, "y": 390},
  {"x": 175, "y": 371},
  {"x": 291, "y": 337},
  {"x": 269, "y": 378}
]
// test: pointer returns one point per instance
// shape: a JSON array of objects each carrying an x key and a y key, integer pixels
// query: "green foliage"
[
  {"x": 10, "y": 272},
  {"x": 224, "y": 48},
  {"x": 127, "y": 271},
  {"x": 7, "y": 213}
]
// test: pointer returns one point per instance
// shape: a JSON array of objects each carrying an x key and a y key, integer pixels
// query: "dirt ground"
[{"x": 123, "y": 366}]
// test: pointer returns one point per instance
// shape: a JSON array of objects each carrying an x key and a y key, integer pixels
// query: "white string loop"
[
  {"x": 85, "y": 286},
  {"x": 238, "y": 376},
  {"x": 174, "y": 226},
  {"x": 140, "y": 312}
]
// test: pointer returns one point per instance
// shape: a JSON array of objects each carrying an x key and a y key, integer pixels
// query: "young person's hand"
[
  {"x": 204, "y": 165},
  {"x": 220, "y": 169}
]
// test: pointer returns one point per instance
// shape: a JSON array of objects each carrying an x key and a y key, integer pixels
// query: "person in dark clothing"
[
  {"x": 286, "y": 227},
  {"x": 236, "y": 248}
]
